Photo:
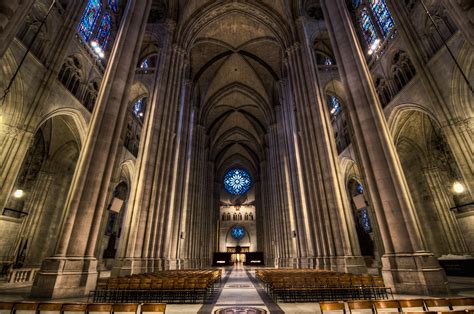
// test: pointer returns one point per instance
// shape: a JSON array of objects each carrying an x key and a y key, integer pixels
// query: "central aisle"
[{"x": 239, "y": 291}]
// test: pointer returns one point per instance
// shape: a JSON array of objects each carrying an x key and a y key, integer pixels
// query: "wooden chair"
[
  {"x": 50, "y": 308},
  {"x": 25, "y": 308},
  {"x": 462, "y": 304},
  {"x": 6, "y": 307},
  {"x": 384, "y": 306},
  {"x": 360, "y": 306},
  {"x": 437, "y": 305},
  {"x": 99, "y": 308},
  {"x": 412, "y": 305},
  {"x": 74, "y": 308},
  {"x": 332, "y": 306},
  {"x": 153, "y": 308},
  {"x": 125, "y": 308}
]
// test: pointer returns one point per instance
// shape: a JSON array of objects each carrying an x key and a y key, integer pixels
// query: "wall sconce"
[{"x": 18, "y": 193}]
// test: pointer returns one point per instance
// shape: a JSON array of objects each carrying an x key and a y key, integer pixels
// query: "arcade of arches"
[{"x": 139, "y": 136}]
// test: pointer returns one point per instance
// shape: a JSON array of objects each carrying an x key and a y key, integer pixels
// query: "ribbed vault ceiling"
[{"x": 236, "y": 63}]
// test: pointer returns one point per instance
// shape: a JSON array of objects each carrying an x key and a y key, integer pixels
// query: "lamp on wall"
[
  {"x": 19, "y": 193},
  {"x": 458, "y": 189}
]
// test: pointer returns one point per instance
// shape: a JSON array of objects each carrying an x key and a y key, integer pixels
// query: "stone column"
[
  {"x": 34, "y": 227},
  {"x": 150, "y": 204},
  {"x": 443, "y": 202},
  {"x": 72, "y": 271},
  {"x": 407, "y": 266},
  {"x": 12, "y": 14},
  {"x": 322, "y": 177},
  {"x": 14, "y": 143}
]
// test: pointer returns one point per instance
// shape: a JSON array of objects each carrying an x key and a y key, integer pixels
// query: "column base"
[
  {"x": 129, "y": 266},
  {"x": 65, "y": 277},
  {"x": 415, "y": 273}
]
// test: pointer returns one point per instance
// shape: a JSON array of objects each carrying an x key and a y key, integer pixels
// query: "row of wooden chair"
[
  {"x": 80, "y": 308},
  {"x": 315, "y": 285},
  {"x": 451, "y": 305},
  {"x": 185, "y": 286}
]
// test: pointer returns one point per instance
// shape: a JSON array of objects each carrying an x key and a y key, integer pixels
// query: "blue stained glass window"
[
  {"x": 145, "y": 64},
  {"x": 114, "y": 4},
  {"x": 139, "y": 108},
  {"x": 237, "y": 181},
  {"x": 334, "y": 105},
  {"x": 89, "y": 18},
  {"x": 360, "y": 188},
  {"x": 237, "y": 232},
  {"x": 368, "y": 29},
  {"x": 365, "y": 221},
  {"x": 383, "y": 16},
  {"x": 103, "y": 34}
]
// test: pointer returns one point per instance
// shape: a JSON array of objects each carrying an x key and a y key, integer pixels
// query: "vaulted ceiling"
[{"x": 236, "y": 62}]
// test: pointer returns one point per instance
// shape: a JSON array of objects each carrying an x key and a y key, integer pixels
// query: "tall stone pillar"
[
  {"x": 12, "y": 14},
  {"x": 443, "y": 203},
  {"x": 151, "y": 204},
  {"x": 14, "y": 143},
  {"x": 408, "y": 267},
  {"x": 72, "y": 271},
  {"x": 323, "y": 189}
]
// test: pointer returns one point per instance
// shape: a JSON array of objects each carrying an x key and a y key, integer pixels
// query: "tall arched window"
[
  {"x": 139, "y": 108},
  {"x": 102, "y": 36},
  {"x": 89, "y": 19},
  {"x": 383, "y": 16},
  {"x": 368, "y": 29},
  {"x": 334, "y": 105},
  {"x": 374, "y": 21},
  {"x": 97, "y": 24}
]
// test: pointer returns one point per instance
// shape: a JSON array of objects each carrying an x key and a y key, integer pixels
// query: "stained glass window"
[
  {"x": 368, "y": 29},
  {"x": 139, "y": 108},
  {"x": 145, "y": 65},
  {"x": 237, "y": 232},
  {"x": 383, "y": 16},
  {"x": 103, "y": 34},
  {"x": 327, "y": 61},
  {"x": 364, "y": 220},
  {"x": 237, "y": 181},
  {"x": 89, "y": 19},
  {"x": 114, "y": 4},
  {"x": 360, "y": 188},
  {"x": 334, "y": 105}
]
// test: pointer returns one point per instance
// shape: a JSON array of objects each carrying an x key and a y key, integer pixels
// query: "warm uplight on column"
[
  {"x": 18, "y": 193},
  {"x": 458, "y": 187}
]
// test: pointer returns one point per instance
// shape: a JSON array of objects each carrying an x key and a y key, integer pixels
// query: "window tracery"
[
  {"x": 89, "y": 19},
  {"x": 402, "y": 69},
  {"x": 374, "y": 22},
  {"x": 70, "y": 77},
  {"x": 237, "y": 181},
  {"x": 103, "y": 35}
]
